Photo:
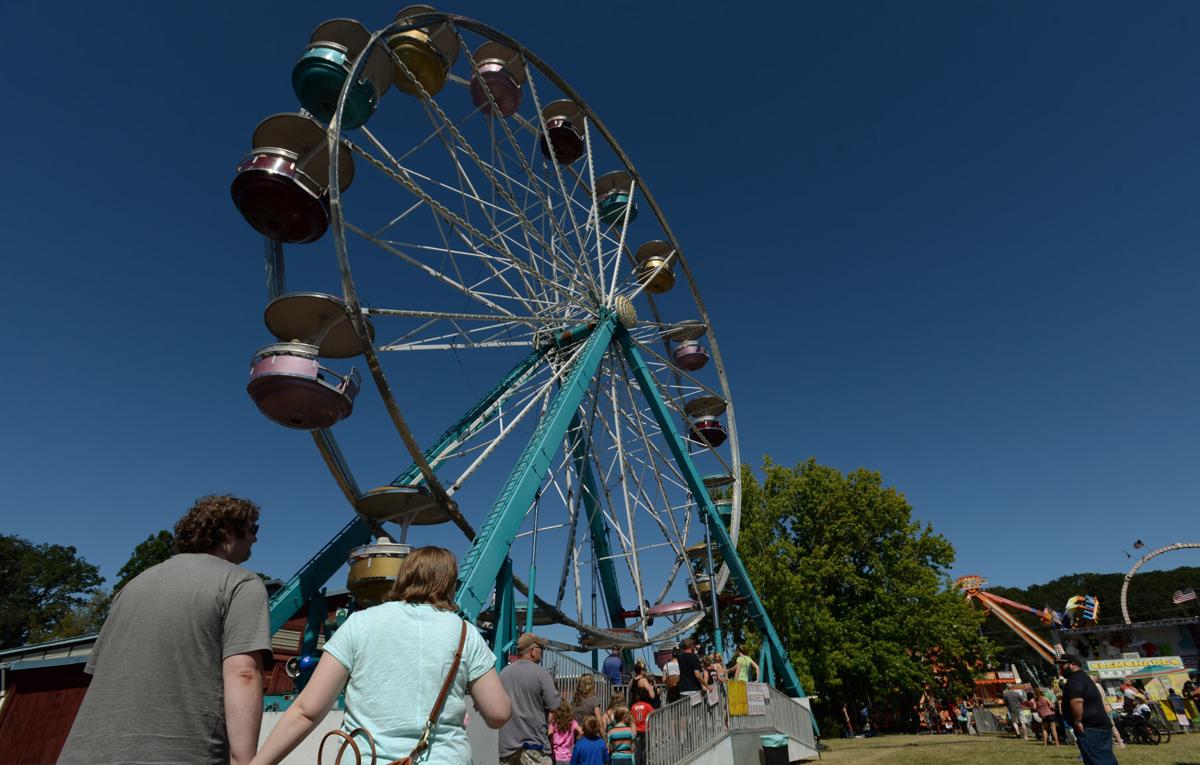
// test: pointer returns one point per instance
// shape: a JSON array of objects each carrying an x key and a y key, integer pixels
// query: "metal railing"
[
  {"x": 566, "y": 672},
  {"x": 683, "y": 728},
  {"x": 986, "y": 722}
]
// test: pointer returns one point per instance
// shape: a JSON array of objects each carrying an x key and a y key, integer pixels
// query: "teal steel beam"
[
  {"x": 479, "y": 569},
  {"x": 316, "y": 572},
  {"x": 313, "y": 575},
  {"x": 471, "y": 421},
  {"x": 601, "y": 549},
  {"x": 506, "y": 614},
  {"x": 662, "y": 415}
]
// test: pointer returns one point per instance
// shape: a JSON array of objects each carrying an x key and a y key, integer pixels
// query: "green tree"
[
  {"x": 857, "y": 590},
  {"x": 85, "y": 618},
  {"x": 154, "y": 550},
  {"x": 43, "y": 583}
]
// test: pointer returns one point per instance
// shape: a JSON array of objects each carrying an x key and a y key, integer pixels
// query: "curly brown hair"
[
  {"x": 427, "y": 575},
  {"x": 203, "y": 528}
]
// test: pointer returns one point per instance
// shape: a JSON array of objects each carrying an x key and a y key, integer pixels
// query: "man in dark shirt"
[
  {"x": 691, "y": 675},
  {"x": 1084, "y": 709}
]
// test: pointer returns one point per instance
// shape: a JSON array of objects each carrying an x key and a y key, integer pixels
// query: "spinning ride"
[{"x": 485, "y": 211}]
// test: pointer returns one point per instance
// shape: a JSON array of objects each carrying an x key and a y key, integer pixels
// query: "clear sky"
[{"x": 951, "y": 242}]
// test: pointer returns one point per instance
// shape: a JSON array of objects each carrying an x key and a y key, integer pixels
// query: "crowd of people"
[{"x": 177, "y": 671}]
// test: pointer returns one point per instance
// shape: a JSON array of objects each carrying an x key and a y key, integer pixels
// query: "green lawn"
[{"x": 994, "y": 750}]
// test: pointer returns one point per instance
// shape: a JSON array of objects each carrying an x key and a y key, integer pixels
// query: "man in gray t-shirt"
[
  {"x": 523, "y": 739},
  {"x": 177, "y": 669}
]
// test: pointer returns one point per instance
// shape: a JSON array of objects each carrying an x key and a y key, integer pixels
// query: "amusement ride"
[
  {"x": 477, "y": 210},
  {"x": 1080, "y": 610}
]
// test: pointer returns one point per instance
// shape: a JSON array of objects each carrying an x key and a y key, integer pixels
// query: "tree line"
[{"x": 52, "y": 592}]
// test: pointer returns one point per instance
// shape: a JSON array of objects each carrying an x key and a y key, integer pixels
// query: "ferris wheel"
[{"x": 450, "y": 196}]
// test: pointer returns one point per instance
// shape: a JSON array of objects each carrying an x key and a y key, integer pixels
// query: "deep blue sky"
[{"x": 952, "y": 242}]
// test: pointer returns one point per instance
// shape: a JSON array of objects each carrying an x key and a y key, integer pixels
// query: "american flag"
[{"x": 1183, "y": 596}]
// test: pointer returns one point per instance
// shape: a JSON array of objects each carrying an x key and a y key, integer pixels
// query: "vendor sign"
[{"x": 1117, "y": 669}]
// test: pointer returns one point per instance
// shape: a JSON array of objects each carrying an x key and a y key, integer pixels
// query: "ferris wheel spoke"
[
  {"x": 656, "y": 469},
  {"x": 429, "y": 270},
  {"x": 464, "y": 178},
  {"x": 563, "y": 290},
  {"x": 515, "y": 332},
  {"x": 542, "y": 395},
  {"x": 441, "y": 212},
  {"x": 526, "y": 167},
  {"x": 616, "y": 258},
  {"x": 379, "y": 232},
  {"x": 598, "y": 278},
  {"x": 523, "y": 388}
]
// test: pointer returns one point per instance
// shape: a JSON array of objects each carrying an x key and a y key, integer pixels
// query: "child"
[
  {"x": 608, "y": 719},
  {"x": 640, "y": 710},
  {"x": 563, "y": 732},
  {"x": 590, "y": 750},
  {"x": 621, "y": 737}
]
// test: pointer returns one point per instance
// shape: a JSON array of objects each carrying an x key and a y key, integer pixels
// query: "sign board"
[
  {"x": 756, "y": 698},
  {"x": 1111, "y": 669},
  {"x": 737, "y": 698}
]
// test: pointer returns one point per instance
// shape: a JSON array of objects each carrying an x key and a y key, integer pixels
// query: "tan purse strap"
[
  {"x": 347, "y": 743},
  {"x": 423, "y": 743}
]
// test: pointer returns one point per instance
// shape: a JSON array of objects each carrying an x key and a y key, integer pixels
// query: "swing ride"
[{"x": 484, "y": 212}]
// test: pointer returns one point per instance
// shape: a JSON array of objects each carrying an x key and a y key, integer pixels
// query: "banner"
[{"x": 737, "y": 698}]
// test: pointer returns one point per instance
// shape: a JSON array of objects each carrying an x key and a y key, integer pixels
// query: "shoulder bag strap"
[
  {"x": 423, "y": 743},
  {"x": 347, "y": 742}
]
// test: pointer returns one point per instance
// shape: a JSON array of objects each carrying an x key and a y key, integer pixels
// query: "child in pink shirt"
[{"x": 563, "y": 732}]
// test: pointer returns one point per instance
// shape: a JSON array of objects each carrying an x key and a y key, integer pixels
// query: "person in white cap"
[{"x": 523, "y": 740}]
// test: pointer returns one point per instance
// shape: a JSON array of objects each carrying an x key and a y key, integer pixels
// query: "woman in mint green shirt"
[{"x": 392, "y": 660}]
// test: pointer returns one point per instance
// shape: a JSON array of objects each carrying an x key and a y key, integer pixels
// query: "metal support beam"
[
  {"x": 506, "y": 615},
  {"x": 475, "y": 417},
  {"x": 479, "y": 569},
  {"x": 601, "y": 549},
  {"x": 718, "y": 642},
  {"x": 313, "y": 575},
  {"x": 781, "y": 663},
  {"x": 318, "y": 609}
]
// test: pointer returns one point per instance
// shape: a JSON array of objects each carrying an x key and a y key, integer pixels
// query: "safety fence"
[
  {"x": 683, "y": 728},
  {"x": 783, "y": 714},
  {"x": 566, "y": 672},
  {"x": 690, "y": 725},
  {"x": 986, "y": 722}
]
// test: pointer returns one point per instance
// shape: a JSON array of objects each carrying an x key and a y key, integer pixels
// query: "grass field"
[{"x": 993, "y": 750}]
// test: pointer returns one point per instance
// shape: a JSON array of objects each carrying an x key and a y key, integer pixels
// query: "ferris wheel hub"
[{"x": 625, "y": 311}]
